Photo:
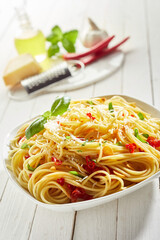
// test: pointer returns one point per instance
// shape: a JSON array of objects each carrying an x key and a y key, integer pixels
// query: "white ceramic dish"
[{"x": 89, "y": 203}]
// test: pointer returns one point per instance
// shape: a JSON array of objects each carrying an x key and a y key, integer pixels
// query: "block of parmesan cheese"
[{"x": 19, "y": 68}]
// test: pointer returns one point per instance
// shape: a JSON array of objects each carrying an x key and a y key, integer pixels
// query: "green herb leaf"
[
  {"x": 35, "y": 127},
  {"x": 140, "y": 115},
  {"x": 68, "y": 137},
  {"x": 53, "y": 38},
  {"x": 99, "y": 144},
  {"x": 79, "y": 150},
  {"x": 57, "y": 30},
  {"x": 30, "y": 168},
  {"x": 94, "y": 160},
  {"x": 137, "y": 135},
  {"x": 76, "y": 174},
  {"x": 71, "y": 36},
  {"x": 68, "y": 45},
  {"x": 90, "y": 102},
  {"x": 145, "y": 135},
  {"x": 60, "y": 105},
  {"x": 25, "y": 145},
  {"x": 119, "y": 143},
  {"x": 53, "y": 49},
  {"x": 47, "y": 114},
  {"x": 110, "y": 107}
]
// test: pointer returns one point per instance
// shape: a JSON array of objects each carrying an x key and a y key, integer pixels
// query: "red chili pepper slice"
[
  {"x": 30, "y": 175},
  {"x": 154, "y": 142},
  {"x": 56, "y": 161},
  {"x": 60, "y": 181},
  {"x": 79, "y": 193},
  {"x": 131, "y": 147},
  {"x": 27, "y": 156},
  {"x": 132, "y": 115},
  {"x": 90, "y": 116}
]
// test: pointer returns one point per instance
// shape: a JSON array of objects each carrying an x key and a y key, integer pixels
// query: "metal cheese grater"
[
  {"x": 41, "y": 83},
  {"x": 43, "y": 80}
]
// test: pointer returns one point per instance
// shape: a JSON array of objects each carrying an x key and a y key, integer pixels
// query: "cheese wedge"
[{"x": 19, "y": 68}]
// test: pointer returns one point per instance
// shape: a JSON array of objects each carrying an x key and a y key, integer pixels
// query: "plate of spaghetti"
[{"x": 83, "y": 153}]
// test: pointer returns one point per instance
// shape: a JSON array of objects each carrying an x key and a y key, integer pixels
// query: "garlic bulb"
[{"x": 94, "y": 35}]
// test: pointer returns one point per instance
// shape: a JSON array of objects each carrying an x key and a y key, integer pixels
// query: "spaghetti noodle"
[{"x": 96, "y": 147}]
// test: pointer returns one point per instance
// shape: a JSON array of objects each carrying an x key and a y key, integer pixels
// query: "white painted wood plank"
[
  {"x": 97, "y": 223},
  {"x": 139, "y": 214},
  {"x": 3, "y": 181},
  {"x": 152, "y": 14},
  {"x": 52, "y": 225},
  {"x": 113, "y": 22},
  {"x": 16, "y": 213},
  {"x": 136, "y": 72}
]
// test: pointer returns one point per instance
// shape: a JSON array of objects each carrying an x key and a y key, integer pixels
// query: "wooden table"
[{"x": 136, "y": 216}]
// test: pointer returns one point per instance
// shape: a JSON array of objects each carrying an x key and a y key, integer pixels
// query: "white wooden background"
[{"x": 136, "y": 216}]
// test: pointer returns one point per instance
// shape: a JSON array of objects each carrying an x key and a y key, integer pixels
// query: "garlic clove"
[{"x": 93, "y": 35}]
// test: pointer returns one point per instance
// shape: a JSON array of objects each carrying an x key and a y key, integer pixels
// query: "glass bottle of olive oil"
[{"x": 29, "y": 40}]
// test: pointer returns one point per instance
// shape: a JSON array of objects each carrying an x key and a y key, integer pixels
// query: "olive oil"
[
  {"x": 32, "y": 42},
  {"x": 29, "y": 40}
]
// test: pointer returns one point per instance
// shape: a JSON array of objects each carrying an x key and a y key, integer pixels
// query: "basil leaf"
[
  {"x": 140, "y": 115},
  {"x": 35, "y": 127},
  {"x": 47, "y": 114},
  {"x": 30, "y": 168},
  {"x": 60, "y": 105},
  {"x": 110, "y": 107},
  {"x": 145, "y": 135},
  {"x": 137, "y": 135},
  {"x": 53, "y": 38},
  {"x": 25, "y": 145},
  {"x": 53, "y": 49},
  {"x": 76, "y": 174},
  {"x": 57, "y": 30},
  {"x": 71, "y": 36},
  {"x": 68, "y": 45}
]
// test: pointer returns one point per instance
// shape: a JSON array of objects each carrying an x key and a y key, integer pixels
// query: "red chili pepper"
[
  {"x": 90, "y": 116},
  {"x": 71, "y": 187},
  {"x": 79, "y": 193},
  {"x": 131, "y": 147},
  {"x": 98, "y": 47},
  {"x": 27, "y": 156},
  {"x": 94, "y": 57},
  {"x": 20, "y": 138},
  {"x": 56, "y": 161},
  {"x": 132, "y": 115},
  {"x": 30, "y": 175},
  {"x": 154, "y": 142},
  {"x": 58, "y": 122},
  {"x": 123, "y": 114},
  {"x": 60, "y": 181},
  {"x": 141, "y": 150}
]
